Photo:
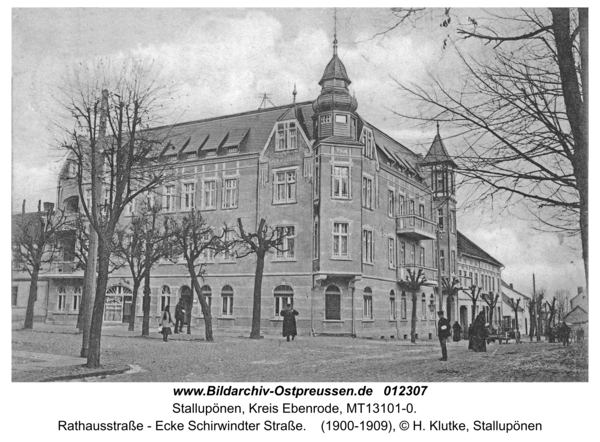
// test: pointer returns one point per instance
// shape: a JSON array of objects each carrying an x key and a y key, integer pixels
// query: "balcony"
[
  {"x": 62, "y": 267},
  {"x": 429, "y": 272},
  {"x": 415, "y": 228}
]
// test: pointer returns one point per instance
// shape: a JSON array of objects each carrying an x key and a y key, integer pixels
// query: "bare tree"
[
  {"x": 552, "y": 312},
  {"x": 259, "y": 243},
  {"x": 141, "y": 244},
  {"x": 562, "y": 303},
  {"x": 515, "y": 306},
  {"x": 473, "y": 293},
  {"x": 522, "y": 112},
  {"x": 34, "y": 242},
  {"x": 190, "y": 236},
  {"x": 491, "y": 300},
  {"x": 111, "y": 108},
  {"x": 412, "y": 284},
  {"x": 539, "y": 304}
]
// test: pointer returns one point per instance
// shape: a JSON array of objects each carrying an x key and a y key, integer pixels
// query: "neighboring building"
[
  {"x": 508, "y": 313},
  {"x": 578, "y": 315},
  {"x": 360, "y": 208}
]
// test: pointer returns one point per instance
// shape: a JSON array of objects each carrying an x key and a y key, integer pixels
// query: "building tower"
[{"x": 442, "y": 176}]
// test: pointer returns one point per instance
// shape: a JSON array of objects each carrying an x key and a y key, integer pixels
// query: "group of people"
[{"x": 478, "y": 333}]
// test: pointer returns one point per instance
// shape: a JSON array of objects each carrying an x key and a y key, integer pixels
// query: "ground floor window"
[
  {"x": 165, "y": 298},
  {"x": 333, "y": 303},
  {"x": 14, "y": 296},
  {"x": 392, "y": 305},
  {"x": 76, "y": 298},
  {"x": 207, "y": 293},
  {"x": 368, "y": 304},
  {"x": 61, "y": 302},
  {"x": 227, "y": 298},
  {"x": 423, "y": 306},
  {"x": 284, "y": 295},
  {"x": 403, "y": 306},
  {"x": 113, "y": 305}
]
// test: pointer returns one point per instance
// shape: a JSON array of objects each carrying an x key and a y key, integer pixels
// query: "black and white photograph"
[{"x": 392, "y": 196}]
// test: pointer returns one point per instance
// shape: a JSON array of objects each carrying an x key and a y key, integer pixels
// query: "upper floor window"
[
  {"x": 284, "y": 184},
  {"x": 209, "y": 194},
  {"x": 169, "y": 203},
  {"x": 391, "y": 253},
  {"x": 340, "y": 185},
  {"x": 286, "y": 248},
  {"x": 369, "y": 141},
  {"x": 367, "y": 193},
  {"x": 368, "y": 246},
  {"x": 76, "y": 298},
  {"x": 230, "y": 193},
  {"x": 353, "y": 128},
  {"x": 441, "y": 218},
  {"x": 422, "y": 257},
  {"x": 189, "y": 196},
  {"x": 341, "y": 119},
  {"x": 391, "y": 203},
  {"x": 229, "y": 254},
  {"x": 401, "y": 204},
  {"x": 340, "y": 239},
  {"x": 286, "y": 136},
  {"x": 325, "y": 119}
]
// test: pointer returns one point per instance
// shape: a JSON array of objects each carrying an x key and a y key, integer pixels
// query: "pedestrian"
[
  {"x": 289, "y": 322},
  {"x": 443, "y": 333},
  {"x": 165, "y": 322},
  {"x": 566, "y": 333},
  {"x": 179, "y": 315},
  {"x": 470, "y": 336},
  {"x": 456, "y": 329},
  {"x": 479, "y": 333}
]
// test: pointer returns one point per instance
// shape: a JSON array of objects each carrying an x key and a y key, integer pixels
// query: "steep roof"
[
  {"x": 438, "y": 153},
  {"x": 506, "y": 300},
  {"x": 468, "y": 247},
  {"x": 507, "y": 286},
  {"x": 212, "y": 133},
  {"x": 335, "y": 69}
]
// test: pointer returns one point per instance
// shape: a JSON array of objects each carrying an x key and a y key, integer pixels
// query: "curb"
[{"x": 69, "y": 377}]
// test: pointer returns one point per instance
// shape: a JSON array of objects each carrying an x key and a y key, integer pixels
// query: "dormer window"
[
  {"x": 325, "y": 119},
  {"x": 369, "y": 141},
  {"x": 341, "y": 119},
  {"x": 286, "y": 136}
]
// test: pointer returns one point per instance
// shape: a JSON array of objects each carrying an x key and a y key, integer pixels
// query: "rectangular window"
[
  {"x": 353, "y": 128},
  {"x": 368, "y": 306},
  {"x": 367, "y": 138},
  {"x": 76, "y": 303},
  {"x": 442, "y": 261},
  {"x": 392, "y": 253},
  {"x": 391, "y": 204},
  {"x": 189, "y": 196},
  {"x": 368, "y": 246},
  {"x": 14, "y": 296},
  {"x": 392, "y": 308},
  {"x": 441, "y": 219},
  {"x": 230, "y": 193},
  {"x": 207, "y": 252},
  {"x": 284, "y": 184},
  {"x": 453, "y": 263},
  {"x": 476, "y": 280},
  {"x": 286, "y": 136},
  {"x": 130, "y": 209},
  {"x": 317, "y": 180},
  {"x": 402, "y": 253},
  {"x": 453, "y": 220},
  {"x": 422, "y": 257},
  {"x": 228, "y": 255},
  {"x": 341, "y": 119},
  {"x": 423, "y": 308},
  {"x": 169, "y": 203},
  {"x": 413, "y": 257},
  {"x": 88, "y": 199},
  {"x": 164, "y": 301},
  {"x": 403, "y": 307},
  {"x": 316, "y": 244},
  {"x": 340, "y": 182},
  {"x": 209, "y": 195},
  {"x": 281, "y": 301},
  {"x": 493, "y": 284},
  {"x": 325, "y": 119},
  {"x": 227, "y": 305},
  {"x": 367, "y": 193},
  {"x": 340, "y": 239},
  {"x": 286, "y": 248},
  {"x": 401, "y": 204},
  {"x": 232, "y": 149}
]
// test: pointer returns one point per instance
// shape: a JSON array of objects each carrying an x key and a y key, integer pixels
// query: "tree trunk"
[
  {"x": 89, "y": 291},
  {"x": 258, "y": 275},
  {"x": 203, "y": 304},
  {"x": 136, "y": 287},
  {"x": 413, "y": 319},
  {"x": 146, "y": 304},
  {"x": 33, "y": 289},
  {"x": 473, "y": 309},
  {"x": 531, "y": 322},
  {"x": 93, "y": 357},
  {"x": 81, "y": 307}
]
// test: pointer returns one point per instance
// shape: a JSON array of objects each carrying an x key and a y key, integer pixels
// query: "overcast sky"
[{"x": 222, "y": 61}]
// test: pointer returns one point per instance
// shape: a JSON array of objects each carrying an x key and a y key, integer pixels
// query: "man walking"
[
  {"x": 179, "y": 315},
  {"x": 443, "y": 334}
]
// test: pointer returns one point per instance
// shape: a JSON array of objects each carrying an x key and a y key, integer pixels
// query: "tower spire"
[
  {"x": 294, "y": 93},
  {"x": 335, "y": 42}
]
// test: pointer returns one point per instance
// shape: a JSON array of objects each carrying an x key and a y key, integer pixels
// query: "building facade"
[{"x": 359, "y": 210}]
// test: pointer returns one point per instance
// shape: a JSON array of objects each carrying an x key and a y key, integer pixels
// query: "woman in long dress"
[
  {"x": 289, "y": 322},
  {"x": 480, "y": 333}
]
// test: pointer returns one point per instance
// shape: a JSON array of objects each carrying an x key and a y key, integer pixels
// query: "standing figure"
[
  {"x": 566, "y": 333},
  {"x": 480, "y": 333},
  {"x": 289, "y": 322},
  {"x": 470, "y": 336},
  {"x": 456, "y": 329},
  {"x": 443, "y": 334},
  {"x": 179, "y": 315},
  {"x": 166, "y": 321}
]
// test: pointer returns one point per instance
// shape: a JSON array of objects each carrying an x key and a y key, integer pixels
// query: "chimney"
[
  {"x": 511, "y": 286},
  {"x": 579, "y": 290},
  {"x": 48, "y": 207}
]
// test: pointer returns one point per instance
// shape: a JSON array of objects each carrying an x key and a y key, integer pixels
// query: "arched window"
[
  {"x": 76, "y": 298},
  {"x": 165, "y": 297},
  {"x": 284, "y": 295},
  {"x": 432, "y": 312},
  {"x": 207, "y": 293},
  {"x": 403, "y": 305},
  {"x": 61, "y": 302},
  {"x": 227, "y": 298},
  {"x": 368, "y": 303},
  {"x": 392, "y": 305},
  {"x": 333, "y": 303},
  {"x": 423, "y": 306},
  {"x": 113, "y": 305}
]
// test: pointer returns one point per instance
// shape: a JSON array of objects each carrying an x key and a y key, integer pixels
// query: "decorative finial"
[
  {"x": 294, "y": 93},
  {"x": 335, "y": 31},
  {"x": 438, "y": 127}
]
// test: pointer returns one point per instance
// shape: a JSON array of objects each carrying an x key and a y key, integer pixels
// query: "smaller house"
[
  {"x": 577, "y": 317},
  {"x": 508, "y": 314}
]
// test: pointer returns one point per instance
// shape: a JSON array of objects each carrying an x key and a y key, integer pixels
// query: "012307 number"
[{"x": 405, "y": 390}]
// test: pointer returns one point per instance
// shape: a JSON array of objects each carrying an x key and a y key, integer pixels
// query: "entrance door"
[
  {"x": 113, "y": 306},
  {"x": 127, "y": 311}
]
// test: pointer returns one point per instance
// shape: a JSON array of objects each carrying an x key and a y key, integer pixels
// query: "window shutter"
[
  {"x": 376, "y": 184},
  {"x": 332, "y": 181},
  {"x": 349, "y": 181},
  {"x": 237, "y": 192}
]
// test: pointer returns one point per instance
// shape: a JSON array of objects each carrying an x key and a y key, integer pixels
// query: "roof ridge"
[{"x": 487, "y": 257}]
